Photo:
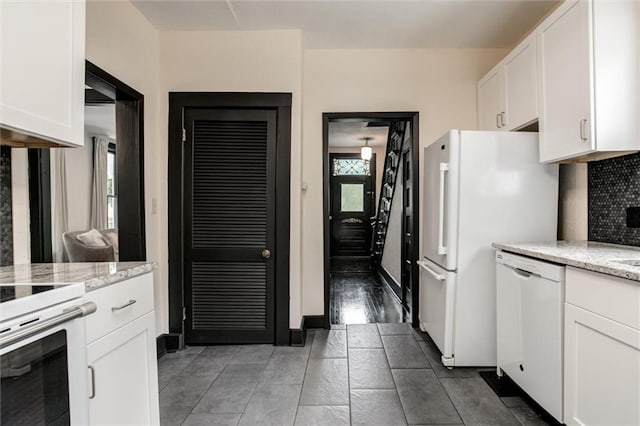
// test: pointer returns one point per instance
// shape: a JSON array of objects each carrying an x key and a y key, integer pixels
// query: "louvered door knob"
[{"x": 266, "y": 253}]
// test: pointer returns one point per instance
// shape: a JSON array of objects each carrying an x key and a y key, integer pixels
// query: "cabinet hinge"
[
  {"x": 184, "y": 135},
  {"x": 184, "y": 313}
]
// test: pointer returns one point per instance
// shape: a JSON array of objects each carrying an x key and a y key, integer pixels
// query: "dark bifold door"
[{"x": 229, "y": 225}]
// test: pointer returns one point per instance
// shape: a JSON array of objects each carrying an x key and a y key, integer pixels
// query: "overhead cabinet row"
[
  {"x": 578, "y": 75},
  {"x": 507, "y": 94},
  {"x": 42, "y": 72}
]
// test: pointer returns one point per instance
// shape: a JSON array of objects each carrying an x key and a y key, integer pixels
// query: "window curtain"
[
  {"x": 59, "y": 215},
  {"x": 99, "y": 189}
]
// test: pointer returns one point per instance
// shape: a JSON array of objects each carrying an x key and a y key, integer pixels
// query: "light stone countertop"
[
  {"x": 589, "y": 255},
  {"x": 93, "y": 275}
]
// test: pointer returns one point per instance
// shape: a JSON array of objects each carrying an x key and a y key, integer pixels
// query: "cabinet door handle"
[
  {"x": 117, "y": 308},
  {"x": 498, "y": 121},
  {"x": 583, "y": 129},
  {"x": 93, "y": 382},
  {"x": 502, "y": 120}
]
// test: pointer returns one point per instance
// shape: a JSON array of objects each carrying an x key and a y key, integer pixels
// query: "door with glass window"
[{"x": 352, "y": 204}]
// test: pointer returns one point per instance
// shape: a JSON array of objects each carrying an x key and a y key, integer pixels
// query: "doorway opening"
[
  {"x": 68, "y": 193},
  {"x": 370, "y": 202}
]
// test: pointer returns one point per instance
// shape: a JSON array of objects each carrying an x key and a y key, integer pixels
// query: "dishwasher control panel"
[{"x": 546, "y": 270}]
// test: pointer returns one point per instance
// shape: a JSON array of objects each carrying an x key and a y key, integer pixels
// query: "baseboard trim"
[
  {"x": 169, "y": 342},
  {"x": 161, "y": 347},
  {"x": 314, "y": 321},
  {"x": 389, "y": 281},
  {"x": 299, "y": 335}
]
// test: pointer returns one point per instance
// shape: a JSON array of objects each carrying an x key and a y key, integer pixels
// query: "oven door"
[{"x": 43, "y": 358}]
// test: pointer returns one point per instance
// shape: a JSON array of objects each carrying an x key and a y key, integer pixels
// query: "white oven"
[{"x": 44, "y": 374}]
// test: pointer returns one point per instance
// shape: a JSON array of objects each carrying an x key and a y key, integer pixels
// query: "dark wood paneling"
[
  {"x": 130, "y": 180},
  {"x": 40, "y": 205}
]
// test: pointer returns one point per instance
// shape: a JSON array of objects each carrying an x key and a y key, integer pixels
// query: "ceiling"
[
  {"x": 357, "y": 24},
  {"x": 344, "y": 134},
  {"x": 100, "y": 120}
]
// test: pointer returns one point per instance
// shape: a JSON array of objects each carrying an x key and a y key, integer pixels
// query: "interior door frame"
[
  {"x": 327, "y": 117},
  {"x": 129, "y": 105},
  {"x": 281, "y": 103}
]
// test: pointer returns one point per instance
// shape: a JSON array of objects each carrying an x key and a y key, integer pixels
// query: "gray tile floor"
[{"x": 371, "y": 374}]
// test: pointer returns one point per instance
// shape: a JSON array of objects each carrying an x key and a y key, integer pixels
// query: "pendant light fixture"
[{"x": 365, "y": 151}]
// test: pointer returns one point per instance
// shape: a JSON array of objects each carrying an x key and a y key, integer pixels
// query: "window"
[
  {"x": 112, "y": 196},
  {"x": 351, "y": 167},
  {"x": 352, "y": 197}
]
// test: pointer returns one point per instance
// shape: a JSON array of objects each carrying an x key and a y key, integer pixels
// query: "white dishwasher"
[{"x": 530, "y": 323}]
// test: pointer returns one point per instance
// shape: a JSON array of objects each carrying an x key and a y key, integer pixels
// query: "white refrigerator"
[{"x": 479, "y": 188}]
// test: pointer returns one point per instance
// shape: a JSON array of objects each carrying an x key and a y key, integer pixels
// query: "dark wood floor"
[{"x": 358, "y": 296}]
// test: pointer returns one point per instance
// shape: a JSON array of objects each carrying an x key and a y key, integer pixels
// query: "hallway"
[
  {"x": 358, "y": 296},
  {"x": 370, "y": 374}
]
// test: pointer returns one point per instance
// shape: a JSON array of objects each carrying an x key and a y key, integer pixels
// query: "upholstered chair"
[{"x": 79, "y": 251}]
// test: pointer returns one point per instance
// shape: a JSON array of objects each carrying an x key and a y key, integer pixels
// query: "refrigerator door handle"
[
  {"x": 444, "y": 167},
  {"x": 437, "y": 276}
]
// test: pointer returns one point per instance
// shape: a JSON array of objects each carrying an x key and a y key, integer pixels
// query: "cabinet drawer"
[
  {"x": 612, "y": 297},
  {"x": 119, "y": 304}
]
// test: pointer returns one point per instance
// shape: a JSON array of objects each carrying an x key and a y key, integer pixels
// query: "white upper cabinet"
[
  {"x": 588, "y": 73},
  {"x": 490, "y": 100},
  {"x": 507, "y": 93},
  {"x": 42, "y": 71},
  {"x": 520, "y": 85}
]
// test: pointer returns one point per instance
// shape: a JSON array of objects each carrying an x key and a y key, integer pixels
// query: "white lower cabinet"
[
  {"x": 122, "y": 360},
  {"x": 602, "y": 350},
  {"x": 602, "y": 370}
]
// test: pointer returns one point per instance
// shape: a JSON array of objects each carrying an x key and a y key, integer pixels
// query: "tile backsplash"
[
  {"x": 613, "y": 186},
  {"x": 6, "y": 228}
]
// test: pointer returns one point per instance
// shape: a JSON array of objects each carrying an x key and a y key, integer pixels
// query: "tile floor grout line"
[
  {"x": 395, "y": 386},
  {"x": 455, "y": 407},
  {"x": 255, "y": 386},
  {"x": 210, "y": 384},
  {"x": 456, "y": 378},
  {"x": 304, "y": 376}
]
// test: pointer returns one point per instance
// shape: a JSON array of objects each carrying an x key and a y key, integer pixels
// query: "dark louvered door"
[{"x": 229, "y": 224}]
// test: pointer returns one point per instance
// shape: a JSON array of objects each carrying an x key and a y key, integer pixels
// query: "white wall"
[
  {"x": 438, "y": 83},
  {"x": 573, "y": 212},
  {"x": 79, "y": 169},
  {"x": 121, "y": 41},
  {"x": 247, "y": 61},
  {"x": 20, "y": 206}
]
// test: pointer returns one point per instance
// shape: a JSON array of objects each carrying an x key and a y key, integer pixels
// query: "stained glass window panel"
[{"x": 351, "y": 167}]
